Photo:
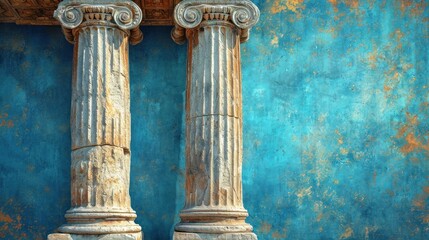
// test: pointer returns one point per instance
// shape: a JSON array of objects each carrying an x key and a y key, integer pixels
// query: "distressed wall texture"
[{"x": 335, "y": 114}]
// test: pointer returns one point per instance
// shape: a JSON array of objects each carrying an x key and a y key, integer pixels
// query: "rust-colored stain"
[
  {"x": 347, "y": 233},
  {"x": 415, "y": 7},
  {"x": 398, "y": 35},
  {"x": 4, "y": 121},
  {"x": 390, "y": 60},
  {"x": 18, "y": 224},
  {"x": 405, "y": 4},
  {"x": 412, "y": 121},
  {"x": 12, "y": 226},
  {"x": 319, "y": 217},
  {"x": 373, "y": 58},
  {"x": 387, "y": 88},
  {"x": 334, "y": 4},
  {"x": 426, "y": 219},
  {"x": 352, "y": 3},
  {"x": 420, "y": 203},
  {"x": 278, "y": 235},
  {"x": 392, "y": 75},
  {"x": 265, "y": 227},
  {"x": 412, "y": 142},
  {"x": 5, "y": 218}
]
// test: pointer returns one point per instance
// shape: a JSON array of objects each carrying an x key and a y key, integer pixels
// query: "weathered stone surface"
[
  {"x": 100, "y": 118},
  {"x": 100, "y": 89},
  {"x": 189, "y": 14},
  {"x": 214, "y": 204},
  {"x": 64, "y": 236},
  {"x": 214, "y": 84},
  {"x": 214, "y": 152},
  {"x": 222, "y": 236},
  {"x": 59, "y": 236},
  {"x": 123, "y": 15},
  {"x": 100, "y": 179}
]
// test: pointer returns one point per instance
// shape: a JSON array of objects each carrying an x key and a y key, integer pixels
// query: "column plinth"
[
  {"x": 100, "y": 118},
  {"x": 214, "y": 203}
]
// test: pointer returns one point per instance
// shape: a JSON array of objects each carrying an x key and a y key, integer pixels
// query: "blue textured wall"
[{"x": 336, "y": 124}]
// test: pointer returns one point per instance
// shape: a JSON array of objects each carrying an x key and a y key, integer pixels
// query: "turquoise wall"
[{"x": 336, "y": 124}]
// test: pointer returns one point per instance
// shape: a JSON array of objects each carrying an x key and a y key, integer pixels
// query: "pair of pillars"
[{"x": 100, "y": 118}]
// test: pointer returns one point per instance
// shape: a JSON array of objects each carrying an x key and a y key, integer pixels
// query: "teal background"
[{"x": 336, "y": 124}]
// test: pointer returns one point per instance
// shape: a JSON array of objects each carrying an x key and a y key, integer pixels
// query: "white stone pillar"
[
  {"x": 100, "y": 118},
  {"x": 214, "y": 204}
]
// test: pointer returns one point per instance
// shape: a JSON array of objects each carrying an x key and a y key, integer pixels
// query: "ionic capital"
[
  {"x": 189, "y": 14},
  {"x": 75, "y": 14}
]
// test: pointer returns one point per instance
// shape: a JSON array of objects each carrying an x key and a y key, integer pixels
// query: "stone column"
[
  {"x": 100, "y": 118},
  {"x": 214, "y": 204}
]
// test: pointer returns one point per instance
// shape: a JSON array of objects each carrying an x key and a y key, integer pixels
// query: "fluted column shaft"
[
  {"x": 100, "y": 123},
  {"x": 100, "y": 88},
  {"x": 100, "y": 116},
  {"x": 213, "y": 108},
  {"x": 214, "y": 202}
]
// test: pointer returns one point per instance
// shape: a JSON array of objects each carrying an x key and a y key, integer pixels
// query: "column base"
[
  {"x": 113, "y": 236},
  {"x": 100, "y": 228},
  {"x": 214, "y": 228},
  {"x": 218, "y": 236}
]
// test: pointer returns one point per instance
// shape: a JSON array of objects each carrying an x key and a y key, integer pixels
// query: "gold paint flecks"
[
  {"x": 275, "y": 41},
  {"x": 296, "y": 6}
]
